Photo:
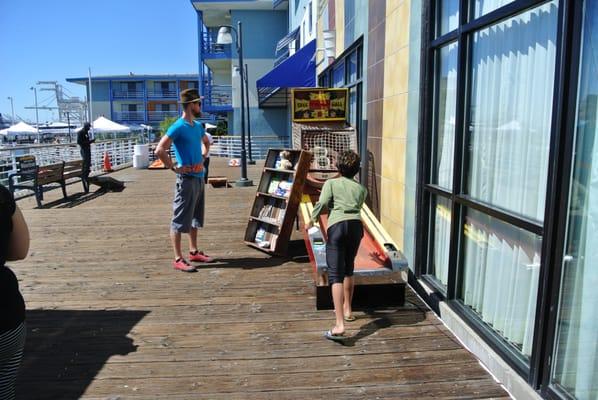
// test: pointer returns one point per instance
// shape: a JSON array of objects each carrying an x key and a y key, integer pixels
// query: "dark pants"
[
  {"x": 206, "y": 168},
  {"x": 343, "y": 242},
  {"x": 86, "y": 157},
  {"x": 12, "y": 344}
]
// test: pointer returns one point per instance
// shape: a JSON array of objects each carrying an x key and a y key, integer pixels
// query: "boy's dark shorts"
[{"x": 344, "y": 238}]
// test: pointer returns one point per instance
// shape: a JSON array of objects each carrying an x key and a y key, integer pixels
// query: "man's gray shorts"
[{"x": 188, "y": 204}]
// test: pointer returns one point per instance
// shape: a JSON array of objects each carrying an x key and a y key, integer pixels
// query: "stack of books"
[
  {"x": 280, "y": 187},
  {"x": 271, "y": 213}
]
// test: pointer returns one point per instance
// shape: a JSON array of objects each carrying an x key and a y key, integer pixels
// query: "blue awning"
[{"x": 299, "y": 70}]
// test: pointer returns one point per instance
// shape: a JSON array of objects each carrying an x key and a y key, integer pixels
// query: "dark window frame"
[
  {"x": 552, "y": 228},
  {"x": 325, "y": 79}
]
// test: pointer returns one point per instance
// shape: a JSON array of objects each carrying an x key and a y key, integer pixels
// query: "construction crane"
[{"x": 70, "y": 109}]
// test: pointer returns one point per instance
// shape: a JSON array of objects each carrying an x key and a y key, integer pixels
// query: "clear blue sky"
[{"x": 51, "y": 40}]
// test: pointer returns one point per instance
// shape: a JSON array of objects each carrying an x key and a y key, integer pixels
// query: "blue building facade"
[
  {"x": 137, "y": 99},
  {"x": 264, "y": 23}
]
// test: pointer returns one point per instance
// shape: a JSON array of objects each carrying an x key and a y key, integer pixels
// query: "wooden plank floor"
[{"x": 108, "y": 318}]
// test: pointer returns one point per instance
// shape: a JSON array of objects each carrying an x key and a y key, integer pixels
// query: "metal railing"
[
  {"x": 209, "y": 45},
  {"x": 219, "y": 95},
  {"x": 127, "y": 94},
  {"x": 161, "y": 115},
  {"x": 230, "y": 146},
  {"x": 120, "y": 152},
  {"x": 129, "y": 115},
  {"x": 168, "y": 94}
]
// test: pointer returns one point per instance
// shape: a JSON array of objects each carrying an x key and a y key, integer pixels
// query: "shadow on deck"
[{"x": 65, "y": 350}]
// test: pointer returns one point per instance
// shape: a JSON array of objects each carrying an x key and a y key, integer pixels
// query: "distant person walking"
[
  {"x": 186, "y": 136},
  {"x": 14, "y": 245},
  {"x": 206, "y": 160},
  {"x": 85, "y": 142},
  {"x": 343, "y": 197}
]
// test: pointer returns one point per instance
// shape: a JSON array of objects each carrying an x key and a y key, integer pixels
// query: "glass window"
[
  {"x": 483, "y": 7},
  {"x": 324, "y": 79},
  {"x": 352, "y": 67},
  {"x": 338, "y": 75},
  {"x": 449, "y": 16},
  {"x": 513, "y": 66},
  {"x": 575, "y": 367},
  {"x": 444, "y": 139},
  {"x": 309, "y": 18},
  {"x": 353, "y": 106},
  {"x": 501, "y": 268},
  {"x": 441, "y": 229}
]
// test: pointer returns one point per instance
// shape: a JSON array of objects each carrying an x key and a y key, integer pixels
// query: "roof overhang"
[
  {"x": 203, "y": 5},
  {"x": 299, "y": 70}
]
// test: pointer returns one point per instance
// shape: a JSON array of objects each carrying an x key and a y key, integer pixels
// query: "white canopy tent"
[
  {"x": 20, "y": 129},
  {"x": 104, "y": 125}
]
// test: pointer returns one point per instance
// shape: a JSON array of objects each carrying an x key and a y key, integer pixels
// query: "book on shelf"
[
  {"x": 261, "y": 237},
  {"x": 273, "y": 185},
  {"x": 284, "y": 188},
  {"x": 265, "y": 211},
  {"x": 273, "y": 239},
  {"x": 279, "y": 215}
]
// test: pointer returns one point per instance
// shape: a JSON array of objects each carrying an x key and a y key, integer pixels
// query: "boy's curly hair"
[{"x": 348, "y": 163}]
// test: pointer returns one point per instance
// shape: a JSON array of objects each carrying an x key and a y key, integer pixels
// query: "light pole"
[
  {"x": 36, "y": 113},
  {"x": 250, "y": 162},
  {"x": 224, "y": 37},
  {"x": 12, "y": 108}
]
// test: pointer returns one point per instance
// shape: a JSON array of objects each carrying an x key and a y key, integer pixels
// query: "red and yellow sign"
[{"x": 319, "y": 105}]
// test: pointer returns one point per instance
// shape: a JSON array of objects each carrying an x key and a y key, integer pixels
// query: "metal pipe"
[
  {"x": 12, "y": 108},
  {"x": 250, "y": 162},
  {"x": 36, "y": 114},
  {"x": 243, "y": 181}
]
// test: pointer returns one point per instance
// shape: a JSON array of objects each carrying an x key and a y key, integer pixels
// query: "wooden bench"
[
  {"x": 35, "y": 179},
  {"x": 74, "y": 169}
]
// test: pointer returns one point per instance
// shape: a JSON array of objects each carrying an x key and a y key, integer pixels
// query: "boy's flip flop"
[
  {"x": 350, "y": 318},
  {"x": 335, "y": 338}
]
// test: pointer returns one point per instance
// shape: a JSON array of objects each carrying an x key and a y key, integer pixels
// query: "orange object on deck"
[
  {"x": 107, "y": 164},
  {"x": 158, "y": 164}
]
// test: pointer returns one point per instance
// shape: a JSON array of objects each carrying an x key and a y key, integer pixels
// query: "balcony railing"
[
  {"x": 218, "y": 96},
  {"x": 166, "y": 94},
  {"x": 230, "y": 146},
  {"x": 129, "y": 116},
  {"x": 209, "y": 46},
  {"x": 127, "y": 94},
  {"x": 161, "y": 115}
]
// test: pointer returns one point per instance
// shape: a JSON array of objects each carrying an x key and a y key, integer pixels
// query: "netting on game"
[{"x": 326, "y": 145}]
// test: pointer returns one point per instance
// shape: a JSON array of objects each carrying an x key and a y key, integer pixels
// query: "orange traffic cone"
[{"x": 107, "y": 164}]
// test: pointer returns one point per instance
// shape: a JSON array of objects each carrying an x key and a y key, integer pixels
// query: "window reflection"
[
  {"x": 500, "y": 277},
  {"x": 576, "y": 348},
  {"x": 511, "y": 111},
  {"x": 444, "y": 140}
]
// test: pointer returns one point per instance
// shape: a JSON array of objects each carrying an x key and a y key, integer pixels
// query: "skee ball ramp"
[{"x": 380, "y": 268}]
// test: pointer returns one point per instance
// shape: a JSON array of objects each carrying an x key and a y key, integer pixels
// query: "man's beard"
[{"x": 196, "y": 114}]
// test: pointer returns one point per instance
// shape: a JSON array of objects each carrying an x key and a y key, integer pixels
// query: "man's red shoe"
[
  {"x": 182, "y": 265},
  {"x": 199, "y": 256}
]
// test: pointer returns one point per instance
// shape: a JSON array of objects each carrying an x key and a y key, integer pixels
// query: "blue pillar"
[
  {"x": 111, "y": 99},
  {"x": 145, "y": 119}
]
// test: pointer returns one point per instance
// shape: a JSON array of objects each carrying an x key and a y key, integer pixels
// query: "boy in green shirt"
[{"x": 343, "y": 197}]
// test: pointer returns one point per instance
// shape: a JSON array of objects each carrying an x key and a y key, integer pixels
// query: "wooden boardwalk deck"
[{"x": 108, "y": 318}]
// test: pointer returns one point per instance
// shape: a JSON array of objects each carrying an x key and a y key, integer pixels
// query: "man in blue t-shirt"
[{"x": 186, "y": 136}]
